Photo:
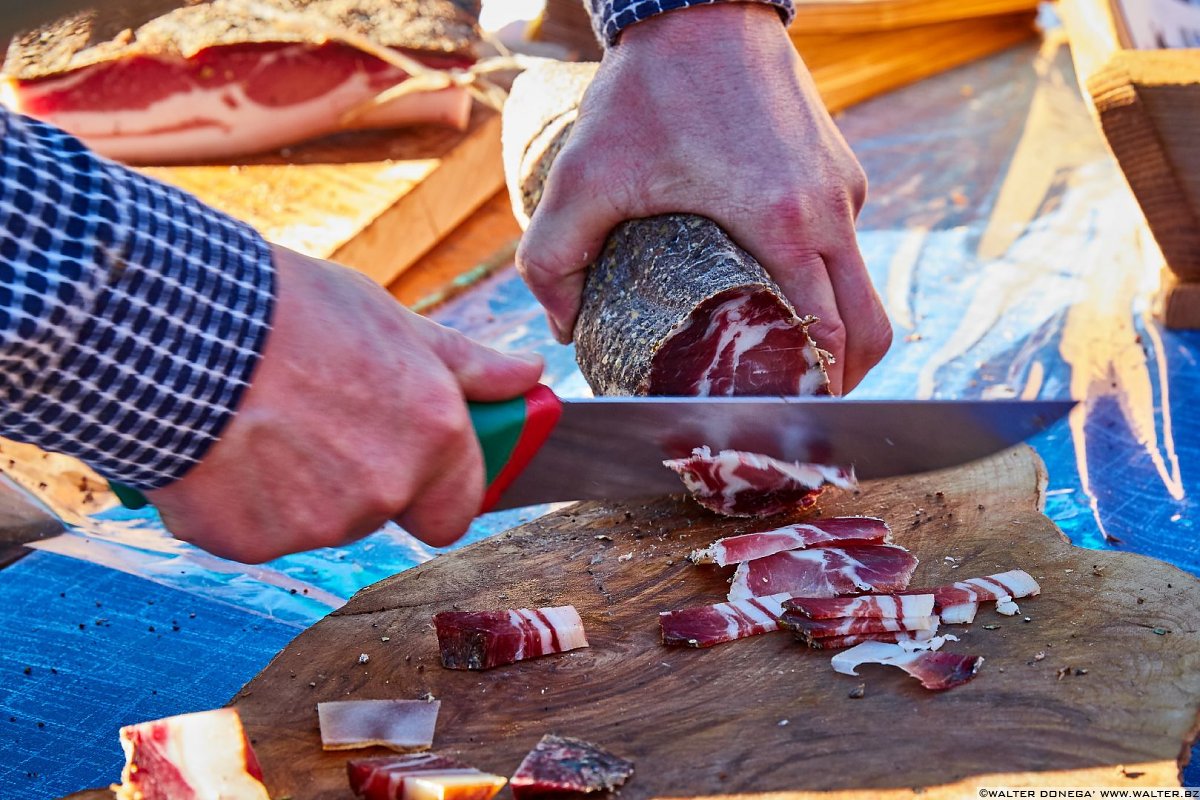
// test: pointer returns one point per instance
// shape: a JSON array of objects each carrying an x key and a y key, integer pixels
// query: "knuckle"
[{"x": 831, "y": 335}]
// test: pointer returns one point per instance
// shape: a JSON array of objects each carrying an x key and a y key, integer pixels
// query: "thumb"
[{"x": 484, "y": 375}]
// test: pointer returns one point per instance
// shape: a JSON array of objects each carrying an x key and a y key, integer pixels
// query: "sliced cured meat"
[
  {"x": 808, "y": 630},
  {"x": 740, "y": 484},
  {"x": 422, "y": 776},
  {"x": 839, "y": 642},
  {"x": 704, "y": 626},
  {"x": 190, "y": 757},
  {"x": 825, "y": 572},
  {"x": 486, "y": 639},
  {"x": 672, "y": 305},
  {"x": 747, "y": 547},
  {"x": 959, "y": 613},
  {"x": 959, "y": 602},
  {"x": 935, "y": 670},
  {"x": 221, "y": 78},
  {"x": 560, "y": 766},
  {"x": 866, "y": 605},
  {"x": 399, "y": 724}
]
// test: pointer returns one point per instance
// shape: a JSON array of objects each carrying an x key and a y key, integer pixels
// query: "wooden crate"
[{"x": 1148, "y": 105}]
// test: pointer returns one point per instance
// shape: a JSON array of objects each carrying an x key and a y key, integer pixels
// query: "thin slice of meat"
[
  {"x": 739, "y": 484},
  {"x": 808, "y": 630},
  {"x": 935, "y": 670},
  {"x": 422, "y": 776},
  {"x": 825, "y": 572},
  {"x": 959, "y": 602},
  {"x": 401, "y": 725},
  {"x": 560, "y": 766},
  {"x": 840, "y": 642},
  {"x": 959, "y": 613},
  {"x": 749, "y": 546},
  {"x": 865, "y": 605},
  {"x": 222, "y": 78},
  {"x": 704, "y": 626},
  {"x": 190, "y": 757},
  {"x": 486, "y": 639},
  {"x": 671, "y": 305}
]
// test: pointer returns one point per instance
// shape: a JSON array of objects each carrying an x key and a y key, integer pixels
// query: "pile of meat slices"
[{"x": 835, "y": 583}]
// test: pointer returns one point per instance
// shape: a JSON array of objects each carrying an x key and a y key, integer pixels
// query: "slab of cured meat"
[
  {"x": 485, "y": 639},
  {"x": 397, "y": 724},
  {"x": 825, "y": 572},
  {"x": 565, "y": 767},
  {"x": 810, "y": 533},
  {"x": 223, "y": 78},
  {"x": 702, "y": 722},
  {"x": 672, "y": 305},
  {"x": 423, "y": 776},
  {"x": 739, "y": 484}
]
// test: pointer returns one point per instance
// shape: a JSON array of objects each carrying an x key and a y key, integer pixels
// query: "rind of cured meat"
[
  {"x": 840, "y": 642},
  {"x": 420, "y": 777},
  {"x": 825, "y": 572},
  {"x": 866, "y": 605},
  {"x": 935, "y": 670},
  {"x": 749, "y": 546},
  {"x": 559, "y": 766},
  {"x": 486, "y": 639},
  {"x": 739, "y": 484},
  {"x": 807, "y": 630},
  {"x": 401, "y": 725},
  {"x": 218, "y": 79},
  {"x": 672, "y": 306},
  {"x": 705, "y": 626},
  {"x": 190, "y": 757}
]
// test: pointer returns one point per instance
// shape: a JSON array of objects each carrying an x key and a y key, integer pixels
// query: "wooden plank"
[
  {"x": 850, "y": 69},
  {"x": 1178, "y": 303},
  {"x": 485, "y": 242},
  {"x": 860, "y": 16},
  {"x": 704, "y": 722},
  {"x": 376, "y": 201}
]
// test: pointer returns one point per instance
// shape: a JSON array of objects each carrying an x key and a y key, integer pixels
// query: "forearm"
[
  {"x": 610, "y": 17},
  {"x": 131, "y": 316}
]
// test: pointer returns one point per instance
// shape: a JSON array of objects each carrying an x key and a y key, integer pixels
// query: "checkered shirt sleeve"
[
  {"x": 610, "y": 17},
  {"x": 131, "y": 315}
]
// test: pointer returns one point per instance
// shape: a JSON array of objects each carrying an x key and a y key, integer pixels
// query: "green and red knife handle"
[{"x": 510, "y": 434}]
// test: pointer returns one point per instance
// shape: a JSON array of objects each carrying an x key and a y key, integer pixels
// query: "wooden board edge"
[
  {"x": 823, "y": 17},
  {"x": 1178, "y": 303},
  {"x": 467, "y": 178}
]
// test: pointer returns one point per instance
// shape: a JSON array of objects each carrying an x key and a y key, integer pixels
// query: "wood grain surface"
[
  {"x": 711, "y": 722},
  {"x": 375, "y": 200}
]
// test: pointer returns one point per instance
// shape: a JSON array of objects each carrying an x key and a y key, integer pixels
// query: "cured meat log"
[
  {"x": 825, "y": 572},
  {"x": 704, "y": 626},
  {"x": 190, "y": 757},
  {"x": 420, "y": 777},
  {"x": 739, "y": 484},
  {"x": 563, "y": 767},
  {"x": 747, "y": 547},
  {"x": 672, "y": 305},
  {"x": 935, "y": 670},
  {"x": 221, "y": 78},
  {"x": 486, "y": 639},
  {"x": 399, "y": 724}
]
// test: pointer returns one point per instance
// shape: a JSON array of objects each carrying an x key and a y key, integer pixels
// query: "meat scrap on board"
[
  {"x": 935, "y": 670},
  {"x": 222, "y": 78},
  {"x": 401, "y": 725},
  {"x": 705, "y": 626},
  {"x": 560, "y": 766},
  {"x": 833, "y": 530},
  {"x": 486, "y": 639},
  {"x": 739, "y": 484},
  {"x": 423, "y": 776}
]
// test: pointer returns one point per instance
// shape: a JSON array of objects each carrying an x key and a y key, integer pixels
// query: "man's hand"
[
  {"x": 355, "y": 415},
  {"x": 709, "y": 110}
]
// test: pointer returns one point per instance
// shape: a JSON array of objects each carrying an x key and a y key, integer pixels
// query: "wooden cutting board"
[
  {"x": 375, "y": 200},
  {"x": 766, "y": 717}
]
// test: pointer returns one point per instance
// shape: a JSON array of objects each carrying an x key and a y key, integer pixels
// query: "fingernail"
[{"x": 529, "y": 357}]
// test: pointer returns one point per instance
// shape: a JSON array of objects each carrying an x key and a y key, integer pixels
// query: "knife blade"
[{"x": 613, "y": 447}]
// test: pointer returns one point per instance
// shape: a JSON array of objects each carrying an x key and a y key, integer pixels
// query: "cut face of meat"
[
  {"x": 739, "y": 342},
  {"x": 486, "y": 639},
  {"x": 704, "y": 626},
  {"x": 867, "y": 605},
  {"x": 740, "y": 484},
  {"x": 825, "y": 572},
  {"x": 935, "y": 670},
  {"x": 747, "y": 547},
  {"x": 807, "y": 630},
  {"x": 839, "y": 642},
  {"x": 190, "y": 757},
  {"x": 420, "y": 777},
  {"x": 216, "y": 79},
  {"x": 560, "y": 766},
  {"x": 399, "y": 724}
]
